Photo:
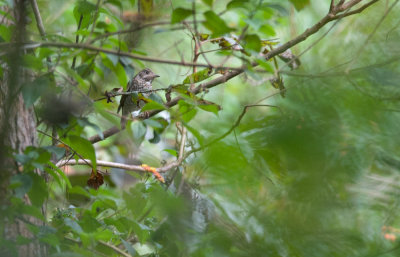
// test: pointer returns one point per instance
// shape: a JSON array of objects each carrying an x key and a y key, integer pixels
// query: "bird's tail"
[{"x": 123, "y": 122}]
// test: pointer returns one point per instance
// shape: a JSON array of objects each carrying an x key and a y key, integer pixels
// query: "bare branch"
[
  {"x": 348, "y": 5},
  {"x": 332, "y": 5},
  {"x": 34, "y": 45},
  {"x": 370, "y": 35},
  {"x": 140, "y": 27},
  {"x": 181, "y": 155},
  {"x": 116, "y": 249},
  {"x": 233, "y": 73},
  {"x": 38, "y": 18},
  {"x": 108, "y": 95},
  {"x": 101, "y": 164},
  {"x": 359, "y": 10}
]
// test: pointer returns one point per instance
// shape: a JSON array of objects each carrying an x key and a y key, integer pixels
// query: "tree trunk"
[{"x": 17, "y": 131}]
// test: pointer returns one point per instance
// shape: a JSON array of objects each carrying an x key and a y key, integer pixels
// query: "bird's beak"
[{"x": 156, "y": 76}]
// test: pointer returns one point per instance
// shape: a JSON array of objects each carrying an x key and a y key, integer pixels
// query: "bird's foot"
[{"x": 145, "y": 114}]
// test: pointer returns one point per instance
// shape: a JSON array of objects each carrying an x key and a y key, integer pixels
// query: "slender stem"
[
  {"x": 231, "y": 74},
  {"x": 239, "y": 119},
  {"x": 38, "y": 18},
  {"x": 34, "y": 45},
  {"x": 77, "y": 40}
]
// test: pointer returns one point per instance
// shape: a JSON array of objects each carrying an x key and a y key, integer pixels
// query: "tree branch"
[
  {"x": 359, "y": 10},
  {"x": 125, "y": 31},
  {"x": 33, "y": 45},
  {"x": 38, "y": 18},
  {"x": 139, "y": 168},
  {"x": 231, "y": 74},
  {"x": 101, "y": 164}
]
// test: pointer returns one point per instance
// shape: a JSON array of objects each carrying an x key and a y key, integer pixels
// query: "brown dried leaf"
[{"x": 95, "y": 180}]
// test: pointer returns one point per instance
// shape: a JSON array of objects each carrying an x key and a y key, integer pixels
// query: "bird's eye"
[{"x": 147, "y": 72}]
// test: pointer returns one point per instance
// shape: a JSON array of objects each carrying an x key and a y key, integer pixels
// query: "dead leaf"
[{"x": 95, "y": 180}]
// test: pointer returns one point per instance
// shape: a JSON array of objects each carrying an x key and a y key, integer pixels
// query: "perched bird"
[{"x": 129, "y": 103}]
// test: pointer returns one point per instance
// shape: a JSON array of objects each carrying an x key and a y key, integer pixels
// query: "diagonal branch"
[
  {"x": 38, "y": 18},
  {"x": 34, "y": 45},
  {"x": 359, "y": 10},
  {"x": 233, "y": 73}
]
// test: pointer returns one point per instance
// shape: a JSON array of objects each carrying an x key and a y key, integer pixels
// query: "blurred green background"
[{"x": 315, "y": 173}]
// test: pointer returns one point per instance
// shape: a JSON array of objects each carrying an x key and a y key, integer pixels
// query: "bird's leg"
[{"x": 145, "y": 114}]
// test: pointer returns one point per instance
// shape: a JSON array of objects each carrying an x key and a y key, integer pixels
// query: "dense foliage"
[{"x": 288, "y": 157}]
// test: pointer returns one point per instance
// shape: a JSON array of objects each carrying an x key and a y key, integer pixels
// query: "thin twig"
[
  {"x": 359, "y": 10},
  {"x": 77, "y": 40},
  {"x": 114, "y": 94},
  {"x": 125, "y": 31},
  {"x": 100, "y": 163},
  {"x": 38, "y": 18},
  {"x": 239, "y": 119},
  {"x": 40, "y": 26},
  {"x": 95, "y": 19},
  {"x": 231, "y": 74},
  {"x": 33, "y": 45},
  {"x": 62, "y": 142},
  {"x": 116, "y": 249},
  {"x": 371, "y": 35}
]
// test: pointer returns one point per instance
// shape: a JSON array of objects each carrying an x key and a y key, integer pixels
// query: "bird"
[{"x": 141, "y": 82}]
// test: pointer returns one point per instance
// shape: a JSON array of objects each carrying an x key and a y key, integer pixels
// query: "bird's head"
[{"x": 147, "y": 75}]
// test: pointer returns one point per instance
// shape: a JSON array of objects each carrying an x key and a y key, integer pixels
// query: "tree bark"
[{"x": 17, "y": 131}]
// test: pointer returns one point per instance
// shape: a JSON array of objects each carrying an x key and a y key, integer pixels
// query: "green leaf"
[
  {"x": 113, "y": 58},
  {"x": 171, "y": 152},
  {"x": 138, "y": 131},
  {"x": 253, "y": 42},
  {"x": 128, "y": 247},
  {"x": 215, "y": 24},
  {"x": 23, "y": 208},
  {"x": 155, "y": 97},
  {"x": 116, "y": 3},
  {"x": 31, "y": 91},
  {"x": 61, "y": 173},
  {"x": 195, "y": 133},
  {"x": 187, "y": 111},
  {"x": 88, "y": 223},
  {"x": 105, "y": 235},
  {"x": 84, "y": 148},
  {"x": 38, "y": 192},
  {"x": 85, "y": 122},
  {"x": 179, "y": 14},
  {"x": 73, "y": 225},
  {"x": 5, "y": 33},
  {"x": 136, "y": 202},
  {"x": 208, "y": 2},
  {"x": 79, "y": 191},
  {"x": 86, "y": 10},
  {"x": 236, "y": 4},
  {"x": 55, "y": 176},
  {"x": 101, "y": 107},
  {"x": 198, "y": 76},
  {"x": 153, "y": 105},
  {"x": 214, "y": 108},
  {"x": 300, "y": 4},
  {"x": 265, "y": 65},
  {"x": 21, "y": 184},
  {"x": 153, "y": 123},
  {"x": 267, "y": 30}
]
